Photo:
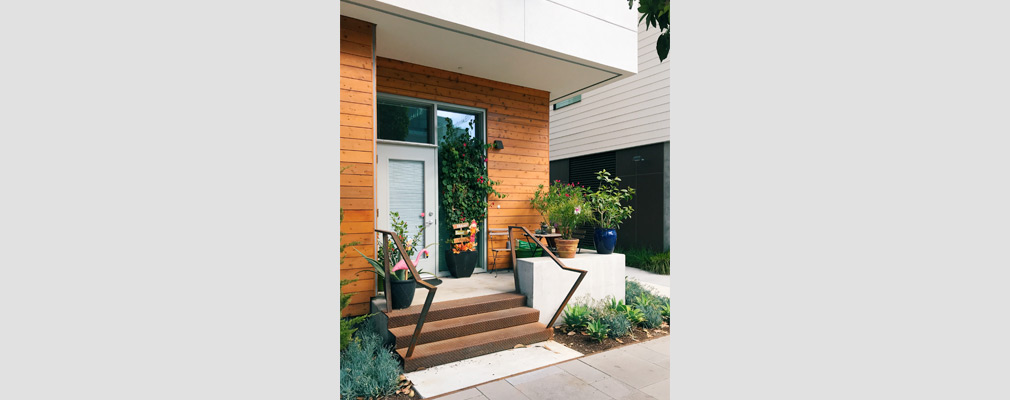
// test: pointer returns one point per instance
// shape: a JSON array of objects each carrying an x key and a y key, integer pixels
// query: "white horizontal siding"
[{"x": 628, "y": 113}]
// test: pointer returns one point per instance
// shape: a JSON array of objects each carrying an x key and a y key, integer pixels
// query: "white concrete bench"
[{"x": 545, "y": 284}]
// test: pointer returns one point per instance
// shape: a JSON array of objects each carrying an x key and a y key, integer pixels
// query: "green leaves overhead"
[{"x": 656, "y": 13}]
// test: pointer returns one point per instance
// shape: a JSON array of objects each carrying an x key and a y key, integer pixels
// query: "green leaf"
[{"x": 663, "y": 45}]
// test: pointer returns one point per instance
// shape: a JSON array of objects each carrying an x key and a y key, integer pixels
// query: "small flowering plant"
[
  {"x": 465, "y": 239},
  {"x": 563, "y": 204},
  {"x": 410, "y": 243}
]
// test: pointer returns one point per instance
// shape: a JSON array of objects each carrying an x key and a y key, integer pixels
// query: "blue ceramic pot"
[{"x": 605, "y": 240}]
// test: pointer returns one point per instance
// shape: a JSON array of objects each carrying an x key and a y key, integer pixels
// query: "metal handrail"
[
  {"x": 413, "y": 274},
  {"x": 515, "y": 271}
]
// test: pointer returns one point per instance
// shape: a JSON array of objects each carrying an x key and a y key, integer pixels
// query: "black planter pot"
[
  {"x": 461, "y": 265},
  {"x": 403, "y": 293},
  {"x": 605, "y": 240}
]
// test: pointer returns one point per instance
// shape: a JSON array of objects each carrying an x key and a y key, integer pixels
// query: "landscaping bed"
[
  {"x": 594, "y": 326},
  {"x": 582, "y": 343}
]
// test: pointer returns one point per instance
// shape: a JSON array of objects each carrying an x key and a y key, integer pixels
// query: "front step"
[
  {"x": 455, "y": 308},
  {"x": 463, "y": 347},
  {"x": 467, "y": 325},
  {"x": 459, "y": 329}
]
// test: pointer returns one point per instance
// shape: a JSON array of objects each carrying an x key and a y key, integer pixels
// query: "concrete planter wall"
[{"x": 546, "y": 285}]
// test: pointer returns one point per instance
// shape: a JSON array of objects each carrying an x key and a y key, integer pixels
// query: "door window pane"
[
  {"x": 404, "y": 122},
  {"x": 458, "y": 120}
]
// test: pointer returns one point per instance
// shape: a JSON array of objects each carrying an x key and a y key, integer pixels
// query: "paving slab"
[
  {"x": 474, "y": 371},
  {"x": 627, "y": 368},
  {"x": 464, "y": 395},
  {"x": 661, "y": 345},
  {"x": 501, "y": 390},
  {"x": 557, "y": 384},
  {"x": 617, "y": 389},
  {"x": 649, "y": 354},
  {"x": 582, "y": 371},
  {"x": 659, "y": 390}
]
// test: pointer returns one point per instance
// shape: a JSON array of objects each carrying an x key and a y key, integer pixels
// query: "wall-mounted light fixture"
[
  {"x": 637, "y": 158},
  {"x": 498, "y": 145}
]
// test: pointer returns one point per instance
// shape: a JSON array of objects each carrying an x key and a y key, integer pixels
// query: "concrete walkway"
[
  {"x": 637, "y": 371},
  {"x": 660, "y": 284}
]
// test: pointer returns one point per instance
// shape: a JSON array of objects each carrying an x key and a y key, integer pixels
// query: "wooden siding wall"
[
  {"x": 357, "y": 154},
  {"x": 516, "y": 115}
]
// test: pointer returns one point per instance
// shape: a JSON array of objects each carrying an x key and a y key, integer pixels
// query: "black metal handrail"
[
  {"x": 515, "y": 271},
  {"x": 413, "y": 274}
]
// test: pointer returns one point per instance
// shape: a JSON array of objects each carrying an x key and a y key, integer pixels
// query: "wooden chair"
[
  {"x": 492, "y": 232},
  {"x": 581, "y": 234}
]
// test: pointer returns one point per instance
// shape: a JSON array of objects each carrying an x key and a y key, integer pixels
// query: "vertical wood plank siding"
[
  {"x": 357, "y": 154},
  {"x": 516, "y": 115}
]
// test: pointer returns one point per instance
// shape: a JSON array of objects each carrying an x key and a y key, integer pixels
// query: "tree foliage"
[{"x": 656, "y": 14}]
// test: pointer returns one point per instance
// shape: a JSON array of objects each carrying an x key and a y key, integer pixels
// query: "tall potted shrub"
[
  {"x": 465, "y": 188},
  {"x": 607, "y": 212}
]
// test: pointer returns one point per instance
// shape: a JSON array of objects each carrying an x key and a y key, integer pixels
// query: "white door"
[{"x": 405, "y": 184}]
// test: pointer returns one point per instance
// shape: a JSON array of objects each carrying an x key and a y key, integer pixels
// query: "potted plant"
[
  {"x": 539, "y": 202},
  {"x": 607, "y": 212},
  {"x": 464, "y": 250},
  {"x": 566, "y": 209},
  {"x": 402, "y": 282},
  {"x": 465, "y": 188}
]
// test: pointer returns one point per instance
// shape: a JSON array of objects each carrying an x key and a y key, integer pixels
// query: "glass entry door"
[{"x": 405, "y": 184}]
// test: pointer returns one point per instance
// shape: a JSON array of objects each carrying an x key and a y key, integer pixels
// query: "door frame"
[{"x": 481, "y": 113}]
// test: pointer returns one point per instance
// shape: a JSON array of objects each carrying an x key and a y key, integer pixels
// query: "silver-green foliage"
[
  {"x": 653, "y": 317},
  {"x": 617, "y": 322},
  {"x": 368, "y": 369}
]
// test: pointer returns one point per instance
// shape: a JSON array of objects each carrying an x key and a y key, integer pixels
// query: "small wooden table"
[{"x": 550, "y": 239}]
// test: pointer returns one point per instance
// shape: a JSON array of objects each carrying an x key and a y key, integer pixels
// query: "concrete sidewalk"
[
  {"x": 657, "y": 283},
  {"x": 637, "y": 371}
]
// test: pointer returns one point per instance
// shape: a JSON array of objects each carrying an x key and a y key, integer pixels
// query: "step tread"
[
  {"x": 474, "y": 340},
  {"x": 455, "y": 323},
  {"x": 455, "y": 308},
  {"x": 441, "y": 305}
]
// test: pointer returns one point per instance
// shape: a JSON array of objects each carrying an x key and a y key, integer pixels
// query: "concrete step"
[
  {"x": 455, "y": 308},
  {"x": 463, "y": 347},
  {"x": 434, "y": 331}
]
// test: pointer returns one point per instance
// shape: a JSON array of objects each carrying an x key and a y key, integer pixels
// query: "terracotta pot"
[{"x": 567, "y": 247}]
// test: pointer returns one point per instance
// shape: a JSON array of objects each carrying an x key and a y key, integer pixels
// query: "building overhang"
[{"x": 507, "y": 56}]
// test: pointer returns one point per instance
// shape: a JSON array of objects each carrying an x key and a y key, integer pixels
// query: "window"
[
  {"x": 405, "y": 119},
  {"x": 567, "y": 102},
  {"x": 404, "y": 122}
]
